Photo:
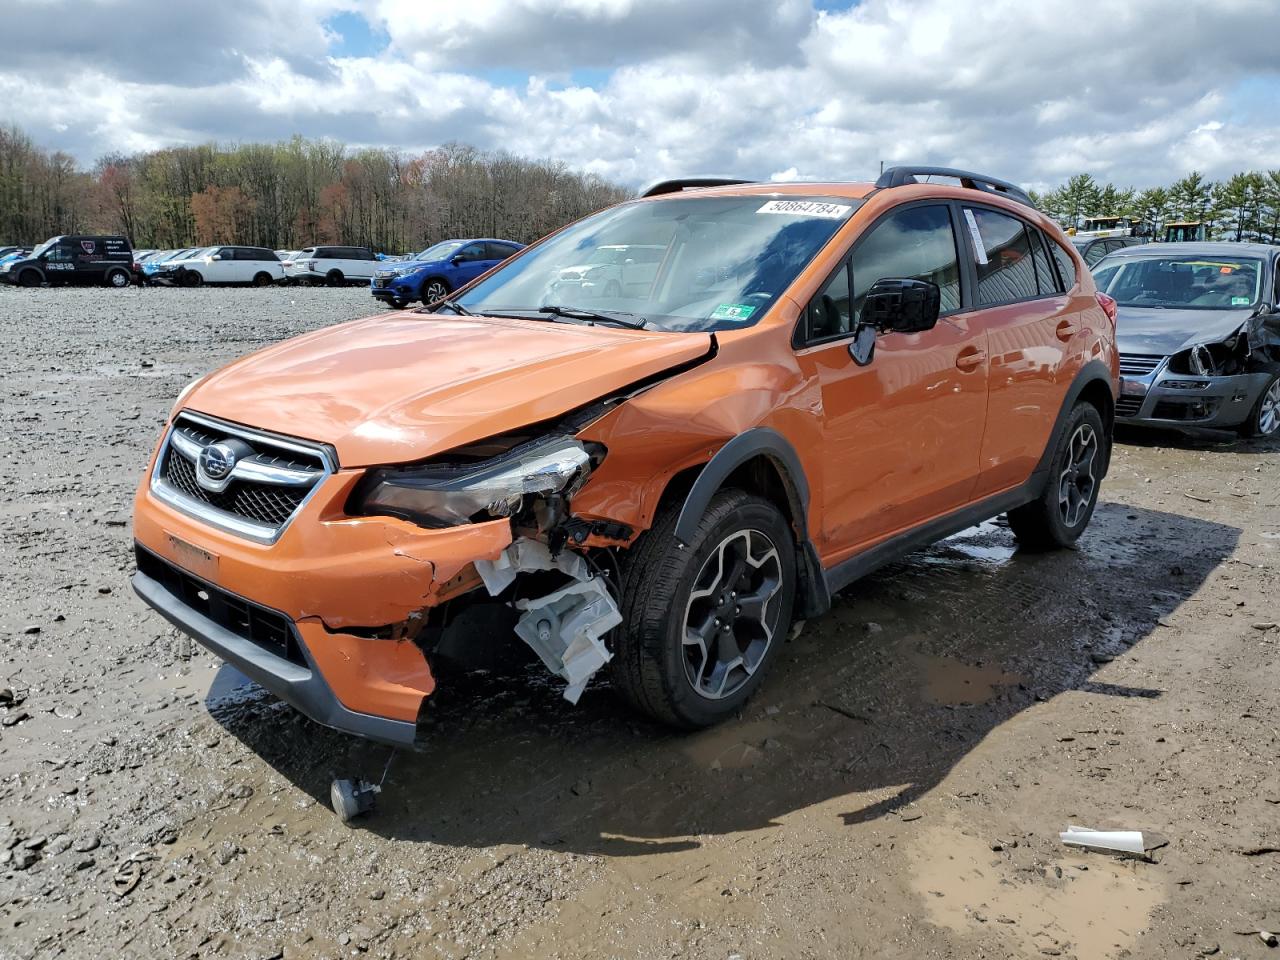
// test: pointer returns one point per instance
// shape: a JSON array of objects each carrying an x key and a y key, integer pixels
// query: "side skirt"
[{"x": 896, "y": 547}]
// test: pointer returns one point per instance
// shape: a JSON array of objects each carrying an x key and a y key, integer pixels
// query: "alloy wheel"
[
  {"x": 732, "y": 614},
  {"x": 1078, "y": 481},
  {"x": 435, "y": 291},
  {"x": 1269, "y": 410}
]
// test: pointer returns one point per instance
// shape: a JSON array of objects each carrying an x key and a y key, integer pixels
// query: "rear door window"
[
  {"x": 498, "y": 251},
  {"x": 1006, "y": 272}
]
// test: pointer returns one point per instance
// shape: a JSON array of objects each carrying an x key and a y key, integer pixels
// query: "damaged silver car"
[{"x": 1198, "y": 331}]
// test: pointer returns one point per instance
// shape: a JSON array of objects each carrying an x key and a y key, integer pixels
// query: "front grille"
[
  {"x": 264, "y": 504},
  {"x": 270, "y": 479},
  {"x": 1128, "y": 406},
  {"x": 1139, "y": 364},
  {"x": 261, "y": 626}
]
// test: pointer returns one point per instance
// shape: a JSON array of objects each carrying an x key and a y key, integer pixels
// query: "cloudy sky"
[{"x": 1137, "y": 91}]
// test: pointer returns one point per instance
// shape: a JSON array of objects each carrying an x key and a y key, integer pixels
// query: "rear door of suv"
[
  {"x": 901, "y": 435},
  {"x": 1036, "y": 332}
]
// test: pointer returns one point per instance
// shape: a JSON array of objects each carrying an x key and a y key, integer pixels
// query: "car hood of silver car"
[{"x": 1157, "y": 331}]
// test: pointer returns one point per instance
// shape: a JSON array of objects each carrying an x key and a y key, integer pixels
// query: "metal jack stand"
[{"x": 353, "y": 798}]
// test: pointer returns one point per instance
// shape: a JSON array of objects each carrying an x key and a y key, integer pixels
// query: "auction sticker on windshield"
[
  {"x": 807, "y": 208},
  {"x": 733, "y": 311}
]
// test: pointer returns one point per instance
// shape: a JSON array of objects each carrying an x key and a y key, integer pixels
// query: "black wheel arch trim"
[
  {"x": 812, "y": 597},
  {"x": 1094, "y": 371}
]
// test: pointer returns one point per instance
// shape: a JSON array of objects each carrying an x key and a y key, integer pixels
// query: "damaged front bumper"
[
  {"x": 1163, "y": 398},
  {"x": 326, "y": 617}
]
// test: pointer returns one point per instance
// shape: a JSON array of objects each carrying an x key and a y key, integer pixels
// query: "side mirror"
[
  {"x": 216, "y": 256},
  {"x": 456, "y": 259},
  {"x": 902, "y": 306}
]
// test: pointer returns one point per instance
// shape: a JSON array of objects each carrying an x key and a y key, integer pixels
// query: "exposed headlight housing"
[{"x": 450, "y": 494}]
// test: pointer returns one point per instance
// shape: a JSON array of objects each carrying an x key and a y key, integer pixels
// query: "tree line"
[
  {"x": 1245, "y": 206},
  {"x": 290, "y": 195}
]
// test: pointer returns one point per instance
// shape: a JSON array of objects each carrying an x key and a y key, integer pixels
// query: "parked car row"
[{"x": 111, "y": 260}]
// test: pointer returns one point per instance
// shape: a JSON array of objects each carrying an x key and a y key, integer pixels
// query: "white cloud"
[{"x": 1138, "y": 93}]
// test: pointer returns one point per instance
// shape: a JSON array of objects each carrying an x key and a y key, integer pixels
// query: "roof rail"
[
  {"x": 684, "y": 183},
  {"x": 901, "y": 176}
]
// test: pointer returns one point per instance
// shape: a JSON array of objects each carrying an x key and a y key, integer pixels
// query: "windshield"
[
  {"x": 440, "y": 250},
  {"x": 683, "y": 264},
  {"x": 1194, "y": 283}
]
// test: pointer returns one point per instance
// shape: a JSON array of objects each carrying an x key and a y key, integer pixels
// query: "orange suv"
[{"x": 785, "y": 387}]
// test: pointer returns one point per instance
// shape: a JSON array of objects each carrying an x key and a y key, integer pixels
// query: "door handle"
[
  {"x": 1067, "y": 329},
  {"x": 970, "y": 358}
]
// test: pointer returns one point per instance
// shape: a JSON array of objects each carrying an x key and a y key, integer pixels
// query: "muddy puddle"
[{"x": 1097, "y": 907}]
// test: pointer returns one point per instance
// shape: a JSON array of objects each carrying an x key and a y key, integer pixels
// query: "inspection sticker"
[
  {"x": 978, "y": 248},
  {"x": 733, "y": 311},
  {"x": 1239, "y": 301},
  {"x": 807, "y": 208}
]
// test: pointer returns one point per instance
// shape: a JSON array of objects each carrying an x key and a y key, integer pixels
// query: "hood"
[
  {"x": 1164, "y": 332},
  {"x": 394, "y": 389}
]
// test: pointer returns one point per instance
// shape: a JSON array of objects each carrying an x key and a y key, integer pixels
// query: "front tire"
[
  {"x": 702, "y": 624},
  {"x": 1061, "y": 513},
  {"x": 334, "y": 278},
  {"x": 1264, "y": 418},
  {"x": 433, "y": 290},
  {"x": 30, "y": 278},
  {"x": 191, "y": 278},
  {"x": 396, "y": 303}
]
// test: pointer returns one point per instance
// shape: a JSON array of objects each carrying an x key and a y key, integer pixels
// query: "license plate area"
[{"x": 195, "y": 559}]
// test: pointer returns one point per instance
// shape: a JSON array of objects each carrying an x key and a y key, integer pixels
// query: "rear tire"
[
  {"x": 702, "y": 624},
  {"x": 262, "y": 279},
  {"x": 1061, "y": 513},
  {"x": 117, "y": 278},
  {"x": 1264, "y": 418},
  {"x": 30, "y": 278}
]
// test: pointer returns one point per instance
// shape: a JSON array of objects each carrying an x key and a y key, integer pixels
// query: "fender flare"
[
  {"x": 1094, "y": 371},
  {"x": 744, "y": 447},
  {"x": 812, "y": 594}
]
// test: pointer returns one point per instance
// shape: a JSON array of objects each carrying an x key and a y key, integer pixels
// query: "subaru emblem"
[{"x": 217, "y": 460}]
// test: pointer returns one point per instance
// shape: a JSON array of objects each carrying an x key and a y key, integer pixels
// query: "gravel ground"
[{"x": 895, "y": 790}]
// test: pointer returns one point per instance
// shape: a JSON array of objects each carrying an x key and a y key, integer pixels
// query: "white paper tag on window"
[
  {"x": 807, "y": 208},
  {"x": 978, "y": 248}
]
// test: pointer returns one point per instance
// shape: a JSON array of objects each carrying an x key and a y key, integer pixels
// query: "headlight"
[
  {"x": 405, "y": 271},
  {"x": 446, "y": 495}
]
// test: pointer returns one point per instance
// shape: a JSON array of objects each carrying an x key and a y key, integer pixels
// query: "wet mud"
[{"x": 895, "y": 789}]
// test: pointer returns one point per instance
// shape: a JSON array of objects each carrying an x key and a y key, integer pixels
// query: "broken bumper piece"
[
  {"x": 564, "y": 628},
  {"x": 289, "y": 672}
]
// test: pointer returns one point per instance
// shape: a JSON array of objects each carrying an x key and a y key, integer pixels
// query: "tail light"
[{"x": 1108, "y": 305}]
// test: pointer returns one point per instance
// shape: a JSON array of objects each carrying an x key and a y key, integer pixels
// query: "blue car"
[{"x": 439, "y": 270}]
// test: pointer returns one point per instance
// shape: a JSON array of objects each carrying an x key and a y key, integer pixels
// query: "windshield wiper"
[
  {"x": 592, "y": 316},
  {"x": 456, "y": 307}
]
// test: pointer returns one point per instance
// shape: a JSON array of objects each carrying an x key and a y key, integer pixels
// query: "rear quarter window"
[{"x": 1066, "y": 265}]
